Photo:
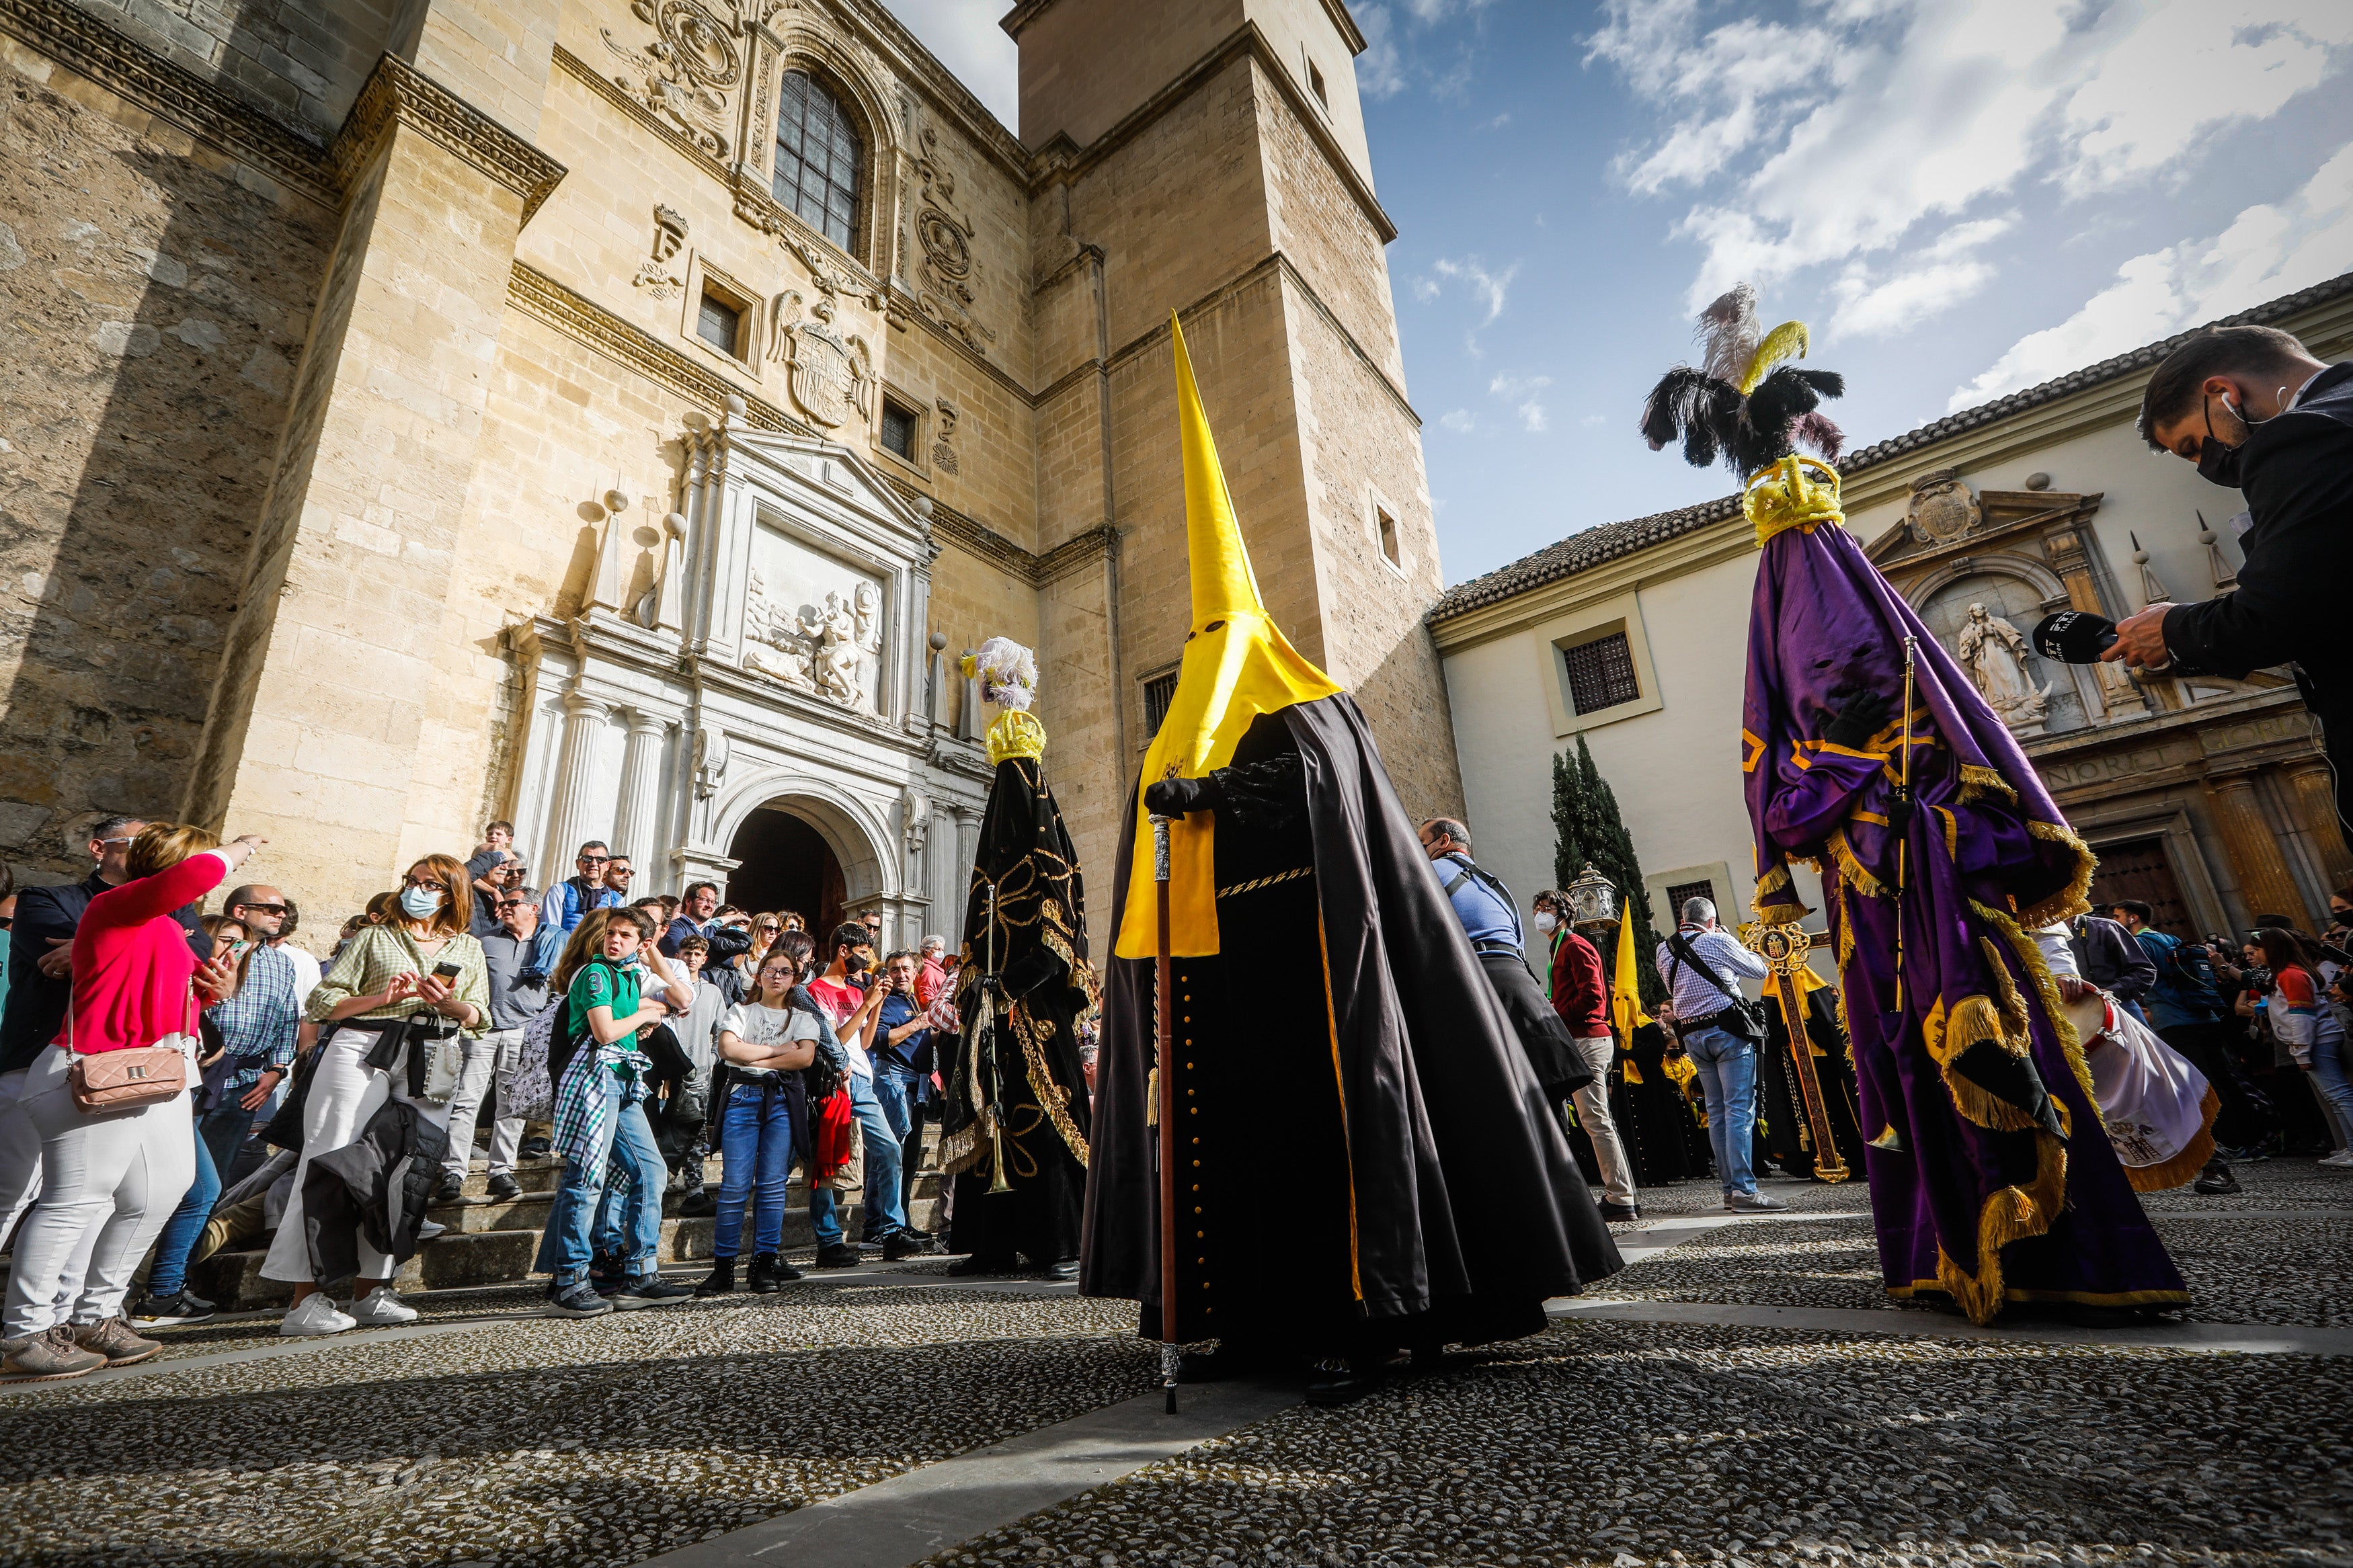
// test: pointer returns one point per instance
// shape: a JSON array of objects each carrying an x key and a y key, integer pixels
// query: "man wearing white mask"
[{"x": 1578, "y": 995}]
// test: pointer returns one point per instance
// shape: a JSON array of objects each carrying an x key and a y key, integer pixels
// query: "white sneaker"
[
  {"x": 381, "y": 1308},
  {"x": 2340, "y": 1160},
  {"x": 315, "y": 1314},
  {"x": 1753, "y": 1203}
]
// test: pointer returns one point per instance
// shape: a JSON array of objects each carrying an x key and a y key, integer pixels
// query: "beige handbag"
[{"x": 126, "y": 1080}]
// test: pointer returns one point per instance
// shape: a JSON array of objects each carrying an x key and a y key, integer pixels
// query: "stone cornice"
[
  {"x": 397, "y": 93},
  {"x": 1060, "y": 162},
  {"x": 146, "y": 81},
  {"x": 537, "y": 295}
]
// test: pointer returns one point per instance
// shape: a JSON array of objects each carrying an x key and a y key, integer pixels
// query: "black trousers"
[{"x": 2247, "y": 1116}]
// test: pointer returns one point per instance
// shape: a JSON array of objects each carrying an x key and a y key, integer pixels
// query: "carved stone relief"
[
  {"x": 828, "y": 372},
  {"x": 944, "y": 456},
  {"x": 654, "y": 275},
  {"x": 813, "y": 623},
  {"x": 1942, "y": 508},
  {"x": 682, "y": 75},
  {"x": 943, "y": 284}
]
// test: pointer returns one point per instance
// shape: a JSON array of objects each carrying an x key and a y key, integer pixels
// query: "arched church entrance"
[{"x": 785, "y": 863}]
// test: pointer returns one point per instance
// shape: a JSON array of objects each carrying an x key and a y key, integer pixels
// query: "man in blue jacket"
[{"x": 2186, "y": 1009}]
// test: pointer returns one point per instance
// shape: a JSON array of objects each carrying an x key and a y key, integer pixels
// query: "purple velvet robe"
[{"x": 1991, "y": 1179}]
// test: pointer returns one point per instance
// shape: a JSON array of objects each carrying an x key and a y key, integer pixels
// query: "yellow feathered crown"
[{"x": 1785, "y": 495}]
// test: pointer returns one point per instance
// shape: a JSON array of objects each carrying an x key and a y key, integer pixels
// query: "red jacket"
[
  {"x": 132, "y": 966},
  {"x": 1578, "y": 995}
]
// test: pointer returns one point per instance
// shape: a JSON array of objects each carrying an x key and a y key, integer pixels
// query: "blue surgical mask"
[{"x": 420, "y": 903}]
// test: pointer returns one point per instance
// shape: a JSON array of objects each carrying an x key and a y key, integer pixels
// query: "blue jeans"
[
  {"x": 883, "y": 1214},
  {"x": 223, "y": 1131},
  {"x": 1727, "y": 1073},
  {"x": 755, "y": 1148},
  {"x": 2332, "y": 1072},
  {"x": 568, "y": 1244},
  {"x": 187, "y": 1223}
]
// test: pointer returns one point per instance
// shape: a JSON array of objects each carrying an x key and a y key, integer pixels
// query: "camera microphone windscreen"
[{"x": 2074, "y": 636}]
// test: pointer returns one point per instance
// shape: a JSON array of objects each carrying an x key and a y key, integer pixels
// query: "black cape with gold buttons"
[
  {"x": 1365, "y": 1160},
  {"x": 1018, "y": 1048}
]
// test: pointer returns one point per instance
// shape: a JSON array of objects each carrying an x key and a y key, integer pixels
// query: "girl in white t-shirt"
[{"x": 764, "y": 1042}]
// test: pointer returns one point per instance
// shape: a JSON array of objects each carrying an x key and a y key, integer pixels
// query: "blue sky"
[{"x": 1960, "y": 197}]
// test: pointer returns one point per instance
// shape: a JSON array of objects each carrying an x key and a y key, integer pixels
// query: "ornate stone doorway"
[
  {"x": 785, "y": 863},
  {"x": 2140, "y": 869}
]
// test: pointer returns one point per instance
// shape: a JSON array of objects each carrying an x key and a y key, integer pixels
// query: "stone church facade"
[{"x": 618, "y": 416}]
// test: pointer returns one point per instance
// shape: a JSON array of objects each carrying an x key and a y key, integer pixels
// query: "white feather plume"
[{"x": 1008, "y": 673}]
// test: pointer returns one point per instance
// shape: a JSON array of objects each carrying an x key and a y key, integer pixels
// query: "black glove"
[
  {"x": 1864, "y": 715},
  {"x": 1175, "y": 798}
]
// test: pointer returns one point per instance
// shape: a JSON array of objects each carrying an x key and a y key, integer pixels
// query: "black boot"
[
  {"x": 722, "y": 1278},
  {"x": 767, "y": 1273},
  {"x": 697, "y": 1201}
]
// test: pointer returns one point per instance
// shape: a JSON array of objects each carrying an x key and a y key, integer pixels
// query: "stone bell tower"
[{"x": 1209, "y": 157}]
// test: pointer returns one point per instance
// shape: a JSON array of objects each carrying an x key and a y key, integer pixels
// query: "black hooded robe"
[
  {"x": 1365, "y": 1160},
  {"x": 1026, "y": 1058}
]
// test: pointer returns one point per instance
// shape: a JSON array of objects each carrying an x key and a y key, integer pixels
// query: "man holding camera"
[
  {"x": 2259, "y": 415},
  {"x": 1714, "y": 1021}
]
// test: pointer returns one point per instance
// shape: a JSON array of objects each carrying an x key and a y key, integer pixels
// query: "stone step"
[
  {"x": 467, "y": 1259},
  {"x": 478, "y": 1214}
]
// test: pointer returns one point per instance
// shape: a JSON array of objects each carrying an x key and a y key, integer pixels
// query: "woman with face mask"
[{"x": 419, "y": 960}]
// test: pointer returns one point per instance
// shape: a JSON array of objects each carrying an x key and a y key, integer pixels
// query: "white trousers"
[
  {"x": 491, "y": 1058},
  {"x": 344, "y": 1093},
  {"x": 1593, "y": 1109},
  {"x": 20, "y": 1154},
  {"x": 109, "y": 1183}
]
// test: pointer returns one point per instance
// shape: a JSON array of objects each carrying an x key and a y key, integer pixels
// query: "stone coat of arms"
[
  {"x": 1942, "y": 508},
  {"x": 829, "y": 374}
]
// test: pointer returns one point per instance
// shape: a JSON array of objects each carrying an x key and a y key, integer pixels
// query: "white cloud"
[
  {"x": 1489, "y": 289},
  {"x": 1847, "y": 133},
  {"x": 1524, "y": 389},
  {"x": 1387, "y": 67},
  {"x": 1462, "y": 421},
  {"x": 1381, "y": 69},
  {"x": 976, "y": 50},
  {"x": 2266, "y": 251}
]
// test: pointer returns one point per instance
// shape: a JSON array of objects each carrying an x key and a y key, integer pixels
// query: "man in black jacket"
[{"x": 2258, "y": 414}]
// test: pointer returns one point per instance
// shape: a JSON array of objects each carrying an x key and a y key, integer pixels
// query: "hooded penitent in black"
[
  {"x": 1019, "y": 1050},
  {"x": 1365, "y": 1160}
]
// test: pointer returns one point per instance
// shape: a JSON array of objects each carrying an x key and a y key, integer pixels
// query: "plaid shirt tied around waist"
[{"x": 580, "y": 1101}]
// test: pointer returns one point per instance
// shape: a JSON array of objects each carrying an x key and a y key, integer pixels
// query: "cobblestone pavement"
[{"x": 489, "y": 1438}]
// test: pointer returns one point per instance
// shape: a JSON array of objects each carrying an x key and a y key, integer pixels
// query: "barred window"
[
  {"x": 718, "y": 323},
  {"x": 1703, "y": 889},
  {"x": 1158, "y": 692},
  {"x": 1601, "y": 674},
  {"x": 898, "y": 430},
  {"x": 818, "y": 159}
]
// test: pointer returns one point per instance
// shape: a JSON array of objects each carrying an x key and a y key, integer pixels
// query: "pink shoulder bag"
[{"x": 126, "y": 1080}]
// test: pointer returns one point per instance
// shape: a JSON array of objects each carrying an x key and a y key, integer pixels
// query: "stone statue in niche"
[
  {"x": 834, "y": 636},
  {"x": 1994, "y": 653}
]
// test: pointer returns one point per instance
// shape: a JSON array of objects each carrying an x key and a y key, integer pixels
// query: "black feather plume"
[{"x": 1712, "y": 419}]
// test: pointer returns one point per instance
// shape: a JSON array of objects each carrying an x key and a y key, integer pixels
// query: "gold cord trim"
[
  {"x": 1254, "y": 885},
  {"x": 1052, "y": 1096},
  {"x": 1340, "y": 1088}
]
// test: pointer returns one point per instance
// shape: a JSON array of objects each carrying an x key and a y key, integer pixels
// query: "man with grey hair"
[
  {"x": 1491, "y": 919},
  {"x": 1703, "y": 966}
]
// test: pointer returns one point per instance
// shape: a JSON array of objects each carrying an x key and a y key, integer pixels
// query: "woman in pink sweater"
[{"x": 119, "y": 1173}]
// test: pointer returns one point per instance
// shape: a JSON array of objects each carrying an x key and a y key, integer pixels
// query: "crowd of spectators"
[{"x": 322, "y": 1110}]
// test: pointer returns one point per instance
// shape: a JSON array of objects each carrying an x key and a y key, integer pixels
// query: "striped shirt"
[{"x": 371, "y": 959}]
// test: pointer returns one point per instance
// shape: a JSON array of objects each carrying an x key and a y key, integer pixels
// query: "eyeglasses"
[
  {"x": 595, "y": 859},
  {"x": 503, "y": 905},
  {"x": 433, "y": 882},
  {"x": 265, "y": 908},
  {"x": 625, "y": 872}
]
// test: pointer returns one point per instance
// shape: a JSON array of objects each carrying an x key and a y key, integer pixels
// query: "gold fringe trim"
[
  {"x": 2079, "y": 1298},
  {"x": 1850, "y": 871},
  {"x": 2012, "y": 1213},
  {"x": 2075, "y": 897},
  {"x": 1051, "y": 1095},
  {"x": 2030, "y": 958},
  {"x": 1973, "y": 1021},
  {"x": 960, "y": 1150},
  {"x": 1773, "y": 881},
  {"x": 1978, "y": 782},
  {"x": 2184, "y": 1167}
]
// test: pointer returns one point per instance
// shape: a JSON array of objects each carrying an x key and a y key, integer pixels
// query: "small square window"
[
  {"x": 899, "y": 430},
  {"x": 718, "y": 323},
  {"x": 1681, "y": 891},
  {"x": 1601, "y": 674},
  {"x": 1158, "y": 692},
  {"x": 1315, "y": 86},
  {"x": 1388, "y": 528}
]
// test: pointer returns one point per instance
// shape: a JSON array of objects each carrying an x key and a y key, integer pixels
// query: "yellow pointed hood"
[{"x": 1237, "y": 667}]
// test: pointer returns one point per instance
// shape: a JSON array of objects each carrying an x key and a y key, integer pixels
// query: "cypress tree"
[
  {"x": 1610, "y": 847},
  {"x": 1571, "y": 822}
]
